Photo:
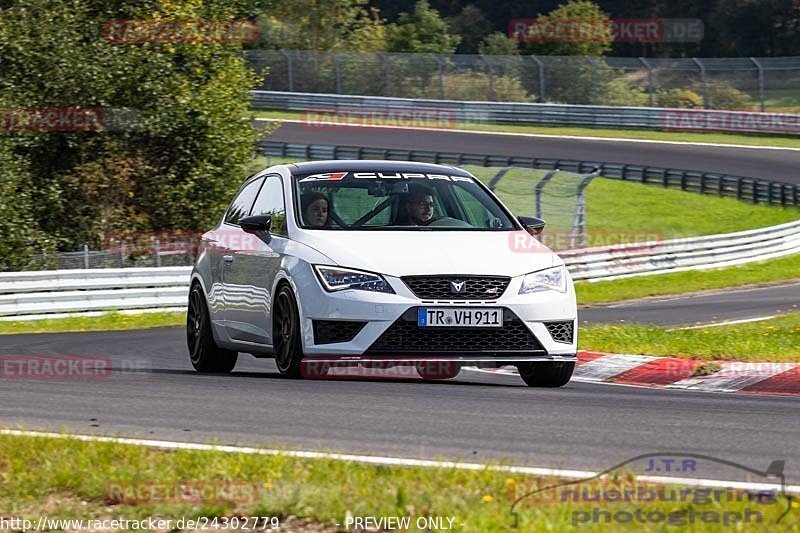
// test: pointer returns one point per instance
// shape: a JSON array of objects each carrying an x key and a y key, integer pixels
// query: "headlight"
[
  {"x": 338, "y": 279},
  {"x": 552, "y": 279}
]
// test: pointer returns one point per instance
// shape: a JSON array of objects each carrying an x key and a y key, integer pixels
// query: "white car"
[{"x": 380, "y": 263}]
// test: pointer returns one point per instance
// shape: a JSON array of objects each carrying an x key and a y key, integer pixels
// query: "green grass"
[
  {"x": 70, "y": 479},
  {"x": 773, "y": 270},
  {"x": 777, "y": 340},
  {"x": 106, "y": 322},
  {"x": 676, "y": 136}
]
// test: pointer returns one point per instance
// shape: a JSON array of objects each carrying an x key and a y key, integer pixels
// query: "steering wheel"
[{"x": 430, "y": 221}]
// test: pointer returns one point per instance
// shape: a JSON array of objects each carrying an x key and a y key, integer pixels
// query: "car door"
[{"x": 250, "y": 274}]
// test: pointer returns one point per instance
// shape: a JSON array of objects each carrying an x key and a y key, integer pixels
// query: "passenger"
[
  {"x": 417, "y": 209},
  {"x": 315, "y": 210}
]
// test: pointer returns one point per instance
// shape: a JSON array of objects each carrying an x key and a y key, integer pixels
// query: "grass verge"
[
  {"x": 310, "y": 494},
  {"x": 106, "y": 322},
  {"x": 674, "y": 136},
  {"x": 773, "y": 270},
  {"x": 776, "y": 340}
]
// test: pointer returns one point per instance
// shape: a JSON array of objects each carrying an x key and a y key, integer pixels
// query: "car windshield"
[{"x": 396, "y": 201}]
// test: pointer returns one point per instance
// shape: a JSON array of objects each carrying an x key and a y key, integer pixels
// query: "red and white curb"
[{"x": 685, "y": 374}]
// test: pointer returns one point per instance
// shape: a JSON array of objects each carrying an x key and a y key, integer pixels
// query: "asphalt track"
[
  {"x": 711, "y": 307},
  {"x": 778, "y": 165},
  {"x": 153, "y": 393}
]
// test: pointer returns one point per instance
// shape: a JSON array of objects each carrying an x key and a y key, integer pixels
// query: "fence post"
[
  {"x": 538, "y": 190},
  {"x": 702, "y": 70},
  {"x": 338, "y": 68},
  {"x": 490, "y": 72},
  {"x": 757, "y": 63},
  {"x": 650, "y": 88},
  {"x": 158, "y": 255},
  {"x": 595, "y": 94},
  {"x": 387, "y": 72},
  {"x": 541, "y": 78},
  {"x": 86, "y": 256},
  {"x": 289, "y": 69},
  {"x": 440, "y": 64}
]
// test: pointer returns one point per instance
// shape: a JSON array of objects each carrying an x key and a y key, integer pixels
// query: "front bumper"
[{"x": 382, "y": 312}]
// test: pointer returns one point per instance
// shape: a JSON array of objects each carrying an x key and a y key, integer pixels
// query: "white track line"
[
  {"x": 728, "y": 323},
  {"x": 397, "y": 461},
  {"x": 532, "y": 135}
]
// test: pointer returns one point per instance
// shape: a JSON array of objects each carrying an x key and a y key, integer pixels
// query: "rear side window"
[{"x": 240, "y": 207}]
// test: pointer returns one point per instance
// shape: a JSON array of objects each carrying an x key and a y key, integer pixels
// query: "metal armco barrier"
[
  {"x": 56, "y": 291},
  {"x": 393, "y": 110},
  {"x": 739, "y": 187}
]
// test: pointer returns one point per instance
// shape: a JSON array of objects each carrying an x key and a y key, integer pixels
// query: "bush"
[
  {"x": 678, "y": 98},
  {"x": 619, "y": 92},
  {"x": 723, "y": 96},
  {"x": 476, "y": 86}
]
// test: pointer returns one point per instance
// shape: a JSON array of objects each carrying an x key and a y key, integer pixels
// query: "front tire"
[
  {"x": 556, "y": 374},
  {"x": 286, "y": 334},
  {"x": 204, "y": 353}
]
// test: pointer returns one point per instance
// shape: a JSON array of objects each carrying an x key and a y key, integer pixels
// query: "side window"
[
  {"x": 240, "y": 207},
  {"x": 270, "y": 202}
]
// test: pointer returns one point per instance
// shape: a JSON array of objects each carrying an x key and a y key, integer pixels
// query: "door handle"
[{"x": 227, "y": 258}]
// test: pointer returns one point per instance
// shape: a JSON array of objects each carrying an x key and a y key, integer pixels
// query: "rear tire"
[
  {"x": 286, "y": 334},
  {"x": 556, "y": 374},
  {"x": 204, "y": 353}
]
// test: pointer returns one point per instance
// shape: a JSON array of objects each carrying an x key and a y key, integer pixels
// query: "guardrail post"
[
  {"x": 289, "y": 69},
  {"x": 650, "y": 87},
  {"x": 702, "y": 70},
  {"x": 541, "y": 78},
  {"x": 86, "y": 256},
  {"x": 757, "y": 63}
]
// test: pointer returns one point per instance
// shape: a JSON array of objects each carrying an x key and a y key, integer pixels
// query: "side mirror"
[
  {"x": 534, "y": 226},
  {"x": 258, "y": 225}
]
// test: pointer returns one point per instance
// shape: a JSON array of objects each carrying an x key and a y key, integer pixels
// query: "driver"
[{"x": 417, "y": 209}]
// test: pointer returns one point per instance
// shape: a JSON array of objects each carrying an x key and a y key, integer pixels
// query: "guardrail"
[
  {"x": 70, "y": 291},
  {"x": 320, "y": 107},
  {"x": 739, "y": 187}
]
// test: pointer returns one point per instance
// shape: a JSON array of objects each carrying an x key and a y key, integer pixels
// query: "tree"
[
  {"x": 336, "y": 25},
  {"x": 422, "y": 31},
  {"x": 498, "y": 44},
  {"x": 471, "y": 24},
  {"x": 174, "y": 166},
  {"x": 572, "y": 12}
]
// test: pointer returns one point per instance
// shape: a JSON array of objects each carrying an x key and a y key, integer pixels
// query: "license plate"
[{"x": 459, "y": 317}]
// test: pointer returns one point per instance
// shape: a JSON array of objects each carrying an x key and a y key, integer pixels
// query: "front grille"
[
  {"x": 405, "y": 337},
  {"x": 330, "y": 331},
  {"x": 440, "y": 287},
  {"x": 561, "y": 331}
]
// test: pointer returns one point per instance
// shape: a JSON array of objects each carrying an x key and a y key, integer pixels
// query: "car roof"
[{"x": 314, "y": 167}]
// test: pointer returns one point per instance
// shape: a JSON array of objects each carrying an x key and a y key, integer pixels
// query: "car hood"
[{"x": 403, "y": 253}]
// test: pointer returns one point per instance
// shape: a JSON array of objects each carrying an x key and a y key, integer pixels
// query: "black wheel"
[
  {"x": 286, "y": 334},
  {"x": 206, "y": 356},
  {"x": 555, "y": 374},
  {"x": 438, "y": 370}
]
